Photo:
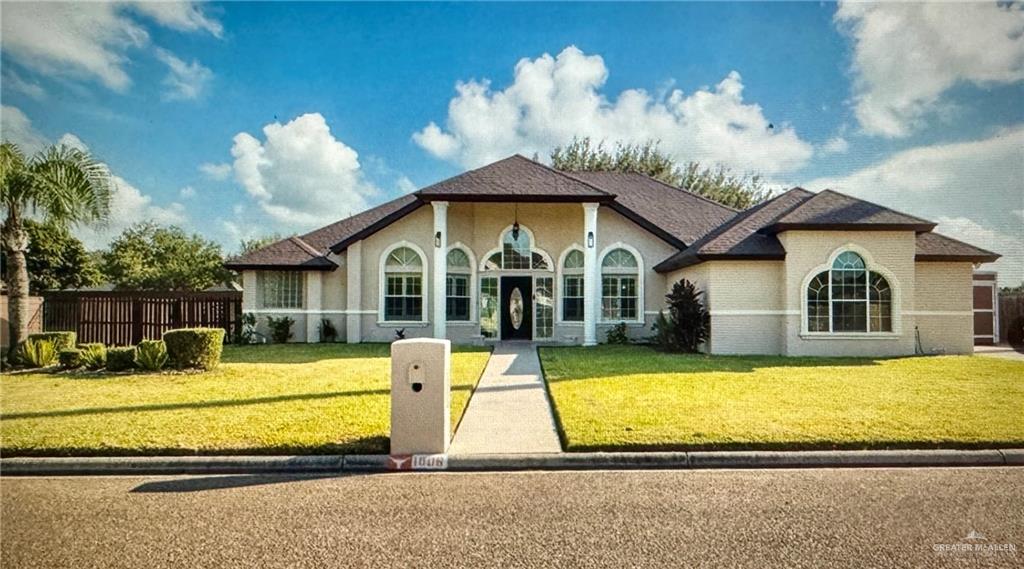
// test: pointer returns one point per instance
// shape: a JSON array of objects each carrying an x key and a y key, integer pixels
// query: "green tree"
[
  {"x": 147, "y": 256},
  {"x": 62, "y": 185},
  {"x": 56, "y": 259},
  {"x": 250, "y": 245},
  {"x": 688, "y": 323},
  {"x": 718, "y": 184}
]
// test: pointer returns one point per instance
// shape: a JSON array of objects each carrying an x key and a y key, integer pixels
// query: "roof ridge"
[
  {"x": 687, "y": 190},
  {"x": 305, "y": 246},
  {"x": 838, "y": 193},
  {"x": 563, "y": 174},
  {"x": 745, "y": 214},
  {"x": 961, "y": 242}
]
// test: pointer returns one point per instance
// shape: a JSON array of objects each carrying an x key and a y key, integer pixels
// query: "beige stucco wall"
[{"x": 944, "y": 313}]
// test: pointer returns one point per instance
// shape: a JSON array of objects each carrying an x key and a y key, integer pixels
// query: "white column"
[
  {"x": 437, "y": 293},
  {"x": 314, "y": 298},
  {"x": 354, "y": 293},
  {"x": 590, "y": 274}
]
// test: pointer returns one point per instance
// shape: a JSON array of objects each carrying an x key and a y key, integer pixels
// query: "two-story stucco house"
[{"x": 517, "y": 250}]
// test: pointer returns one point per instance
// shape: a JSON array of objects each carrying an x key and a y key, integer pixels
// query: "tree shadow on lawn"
[
  {"x": 201, "y": 404},
  {"x": 224, "y": 482},
  {"x": 370, "y": 444},
  {"x": 602, "y": 362},
  {"x": 312, "y": 353}
]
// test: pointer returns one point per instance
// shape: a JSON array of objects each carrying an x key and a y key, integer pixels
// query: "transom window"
[
  {"x": 281, "y": 289},
  {"x": 849, "y": 298},
  {"x": 457, "y": 291},
  {"x": 403, "y": 286},
  {"x": 619, "y": 290},
  {"x": 572, "y": 286},
  {"x": 517, "y": 254}
]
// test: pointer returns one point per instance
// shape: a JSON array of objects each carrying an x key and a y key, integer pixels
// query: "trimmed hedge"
[
  {"x": 71, "y": 358},
  {"x": 61, "y": 340},
  {"x": 94, "y": 355},
  {"x": 194, "y": 347},
  {"x": 121, "y": 358}
]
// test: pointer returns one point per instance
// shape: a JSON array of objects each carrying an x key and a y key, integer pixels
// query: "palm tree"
[{"x": 60, "y": 184}]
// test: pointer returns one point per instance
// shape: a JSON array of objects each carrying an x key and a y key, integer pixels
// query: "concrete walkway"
[
  {"x": 1004, "y": 351},
  {"x": 509, "y": 412}
]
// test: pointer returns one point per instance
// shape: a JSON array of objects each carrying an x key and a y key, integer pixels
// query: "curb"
[{"x": 340, "y": 464}]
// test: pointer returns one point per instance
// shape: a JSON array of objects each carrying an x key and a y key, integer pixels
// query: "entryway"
[
  {"x": 509, "y": 412},
  {"x": 516, "y": 308}
]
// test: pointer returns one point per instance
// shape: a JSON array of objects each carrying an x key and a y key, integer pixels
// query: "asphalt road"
[{"x": 715, "y": 518}]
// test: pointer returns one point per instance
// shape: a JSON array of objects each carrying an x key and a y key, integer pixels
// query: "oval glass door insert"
[{"x": 515, "y": 308}]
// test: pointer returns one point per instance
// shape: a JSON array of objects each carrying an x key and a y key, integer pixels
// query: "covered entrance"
[{"x": 517, "y": 308}]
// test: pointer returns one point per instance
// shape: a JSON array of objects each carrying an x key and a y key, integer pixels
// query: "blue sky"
[{"x": 239, "y": 119}]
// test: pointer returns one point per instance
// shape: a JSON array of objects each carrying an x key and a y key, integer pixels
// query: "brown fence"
[
  {"x": 1011, "y": 309},
  {"x": 35, "y": 317},
  {"x": 122, "y": 318}
]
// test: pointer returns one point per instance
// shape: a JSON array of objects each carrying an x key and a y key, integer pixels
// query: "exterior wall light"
[
  {"x": 590, "y": 239},
  {"x": 437, "y": 239}
]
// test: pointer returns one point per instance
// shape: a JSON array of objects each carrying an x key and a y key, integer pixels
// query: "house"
[{"x": 518, "y": 251}]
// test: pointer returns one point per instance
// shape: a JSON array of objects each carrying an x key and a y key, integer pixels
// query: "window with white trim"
[
  {"x": 849, "y": 298},
  {"x": 403, "y": 286},
  {"x": 517, "y": 254},
  {"x": 281, "y": 289},
  {"x": 620, "y": 274},
  {"x": 572, "y": 286},
  {"x": 457, "y": 292}
]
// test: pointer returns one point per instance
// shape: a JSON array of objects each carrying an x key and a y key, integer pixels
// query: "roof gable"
[
  {"x": 936, "y": 247},
  {"x": 832, "y": 210},
  {"x": 515, "y": 178},
  {"x": 291, "y": 252}
]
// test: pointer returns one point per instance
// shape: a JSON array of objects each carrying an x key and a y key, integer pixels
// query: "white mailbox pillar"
[{"x": 420, "y": 396}]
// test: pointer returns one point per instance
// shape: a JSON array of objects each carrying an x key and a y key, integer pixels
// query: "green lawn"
[
  {"x": 327, "y": 398},
  {"x": 634, "y": 398}
]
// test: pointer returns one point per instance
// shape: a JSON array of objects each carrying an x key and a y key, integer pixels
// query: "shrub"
[
  {"x": 36, "y": 353},
  {"x": 94, "y": 355},
  {"x": 248, "y": 334},
  {"x": 151, "y": 355},
  {"x": 328, "y": 333},
  {"x": 194, "y": 347},
  {"x": 70, "y": 358},
  {"x": 120, "y": 358},
  {"x": 280, "y": 329},
  {"x": 688, "y": 324},
  {"x": 61, "y": 340},
  {"x": 617, "y": 334}
]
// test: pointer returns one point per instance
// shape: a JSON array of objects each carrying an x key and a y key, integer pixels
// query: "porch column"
[
  {"x": 437, "y": 294},
  {"x": 314, "y": 299},
  {"x": 590, "y": 274},
  {"x": 354, "y": 293}
]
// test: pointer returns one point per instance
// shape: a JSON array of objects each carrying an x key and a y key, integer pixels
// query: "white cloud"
[
  {"x": 219, "y": 172},
  {"x": 301, "y": 174},
  {"x": 1009, "y": 245},
  {"x": 15, "y": 82},
  {"x": 129, "y": 205},
  {"x": 405, "y": 185},
  {"x": 835, "y": 145},
  {"x": 980, "y": 182},
  {"x": 88, "y": 40},
  {"x": 73, "y": 141},
  {"x": 553, "y": 99},
  {"x": 17, "y": 128},
  {"x": 184, "y": 81},
  {"x": 907, "y": 54},
  {"x": 186, "y": 193}
]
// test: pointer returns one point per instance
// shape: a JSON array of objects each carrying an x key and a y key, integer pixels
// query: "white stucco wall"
[{"x": 944, "y": 313}]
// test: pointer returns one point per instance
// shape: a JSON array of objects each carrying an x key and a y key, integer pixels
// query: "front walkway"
[
  {"x": 1004, "y": 351},
  {"x": 509, "y": 412}
]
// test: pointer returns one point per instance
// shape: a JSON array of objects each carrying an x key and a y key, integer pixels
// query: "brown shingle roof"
[
  {"x": 515, "y": 178},
  {"x": 832, "y": 210},
  {"x": 291, "y": 252},
  {"x": 935, "y": 247},
  {"x": 682, "y": 215}
]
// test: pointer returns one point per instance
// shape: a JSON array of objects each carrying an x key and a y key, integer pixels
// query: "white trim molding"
[
  {"x": 939, "y": 313},
  {"x": 382, "y": 282},
  {"x": 871, "y": 267},
  {"x": 640, "y": 290},
  {"x": 755, "y": 313},
  {"x": 560, "y": 283},
  {"x": 474, "y": 288}
]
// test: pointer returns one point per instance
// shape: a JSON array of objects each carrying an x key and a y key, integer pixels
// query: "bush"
[
  {"x": 151, "y": 355},
  {"x": 36, "y": 353},
  {"x": 328, "y": 333},
  {"x": 194, "y": 347},
  {"x": 70, "y": 358},
  {"x": 688, "y": 324},
  {"x": 61, "y": 340},
  {"x": 280, "y": 329},
  {"x": 617, "y": 334},
  {"x": 247, "y": 333},
  {"x": 94, "y": 355},
  {"x": 120, "y": 358}
]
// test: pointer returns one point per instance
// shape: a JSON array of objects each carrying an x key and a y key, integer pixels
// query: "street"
[{"x": 735, "y": 518}]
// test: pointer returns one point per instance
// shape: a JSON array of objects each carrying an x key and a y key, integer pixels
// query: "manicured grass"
[
  {"x": 327, "y": 398},
  {"x": 634, "y": 398}
]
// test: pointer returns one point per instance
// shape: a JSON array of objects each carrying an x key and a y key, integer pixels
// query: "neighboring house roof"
[
  {"x": 291, "y": 252},
  {"x": 936, "y": 247},
  {"x": 515, "y": 178},
  {"x": 832, "y": 210},
  {"x": 681, "y": 215}
]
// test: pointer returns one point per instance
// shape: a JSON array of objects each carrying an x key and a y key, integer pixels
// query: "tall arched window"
[
  {"x": 620, "y": 288},
  {"x": 849, "y": 298},
  {"x": 403, "y": 285},
  {"x": 572, "y": 286},
  {"x": 457, "y": 283}
]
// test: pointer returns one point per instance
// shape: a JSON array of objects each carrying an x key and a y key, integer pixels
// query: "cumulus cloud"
[
  {"x": 129, "y": 205},
  {"x": 184, "y": 80},
  {"x": 835, "y": 145},
  {"x": 553, "y": 99},
  {"x": 1008, "y": 244},
  {"x": 17, "y": 128},
  {"x": 964, "y": 186},
  {"x": 219, "y": 172},
  {"x": 300, "y": 174},
  {"x": 187, "y": 193},
  {"x": 907, "y": 54},
  {"x": 89, "y": 40}
]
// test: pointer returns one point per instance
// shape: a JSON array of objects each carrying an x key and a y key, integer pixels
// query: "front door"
[{"x": 516, "y": 308}]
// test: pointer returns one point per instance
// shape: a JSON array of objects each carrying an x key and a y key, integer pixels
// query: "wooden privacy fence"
[
  {"x": 122, "y": 318},
  {"x": 1011, "y": 309}
]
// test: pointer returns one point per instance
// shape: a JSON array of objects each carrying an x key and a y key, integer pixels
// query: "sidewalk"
[{"x": 509, "y": 412}]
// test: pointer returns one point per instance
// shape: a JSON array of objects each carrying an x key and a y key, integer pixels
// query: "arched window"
[
  {"x": 516, "y": 253},
  {"x": 457, "y": 285},
  {"x": 572, "y": 286},
  {"x": 620, "y": 290},
  {"x": 403, "y": 285},
  {"x": 849, "y": 298}
]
